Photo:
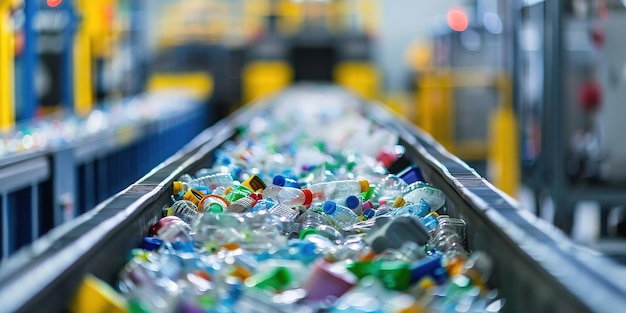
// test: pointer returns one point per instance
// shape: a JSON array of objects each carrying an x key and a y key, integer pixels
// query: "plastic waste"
[
  {"x": 339, "y": 215},
  {"x": 288, "y": 195},
  {"x": 337, "y": 189}
]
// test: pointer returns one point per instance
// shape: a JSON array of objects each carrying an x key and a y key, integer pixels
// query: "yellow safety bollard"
[
  {"x": 361, "y": 78},
  {"x": 7, "y": 66},
  {"x": 262, "y": 78},
  {"x": 504, "y": 155},
  {"x": 83, "y": 57}
]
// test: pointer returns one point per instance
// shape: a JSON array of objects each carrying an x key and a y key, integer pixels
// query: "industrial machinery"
[
  {"x": 313, "y": 41},
  {"x": 569, "y": 98},
  {"x": 463, "y": 95}
]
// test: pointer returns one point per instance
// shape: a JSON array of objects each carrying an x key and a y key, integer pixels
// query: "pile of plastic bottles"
[
  {"x": 300, "y": 214},
  {"x": 64, "y": 128}
]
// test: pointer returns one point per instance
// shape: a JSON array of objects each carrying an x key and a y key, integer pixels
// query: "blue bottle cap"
[
  {"x": 353, "y": 202},
  {"x": 279, "y": 180},
  {"x": 308, "y": 248},
  {"x": 369, "y": 213},
  {"x": 425, "y": 267},
  {"x": 184, "y": 246},
  {"x": 411, "y": 174},
  {"x": 440, "y": 275},
  {"x": 330, "y": 207},
  {"x": 151, "y": 243},
  {"x": 425, "y": 204}
]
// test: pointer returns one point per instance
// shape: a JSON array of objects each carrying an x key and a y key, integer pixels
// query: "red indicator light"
[
  {"x": 54, "y": 3},
  {"x": 457, "y": 19}
]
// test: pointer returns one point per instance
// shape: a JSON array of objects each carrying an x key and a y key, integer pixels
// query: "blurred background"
[{"x": 93, "y": 94}]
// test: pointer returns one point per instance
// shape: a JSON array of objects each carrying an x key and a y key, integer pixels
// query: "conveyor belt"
[{"x": 537, "y": 269}]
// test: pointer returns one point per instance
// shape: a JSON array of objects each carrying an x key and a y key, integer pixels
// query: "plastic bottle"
[
  {"x": 213, "y": 204},
  {"x": 431, "y": 222},
  {"x": 449, "y": 237},
  {"x": 338, "y": 189},
  {"x": 242, "y": 205},
  {"x": 185, "y": 210},
  {"x": 215, "y": 180},
  {"x": 340, "y": 215},
  {"x": 212, "y": 181},
  {"x": 383, "y": 208},
  {"x": 419, "y": 190},
  {"x": 315, "y": 223},
  {"x": 233, "y": 194},
  {"x": 263, "y": 205},
  {"x": 389, "y": 188},
  {"x": 415, "y": 209},
  {"x": 288, "y": 195},
  {"x": 174, "y": 231},
  {"x": 354, "y": 204},
  {"x": 146, "y": 288},
  {"x": 284, "y": 211},
  {"x": 180, "y": 188},
  {"x": 283, "y": 181}
]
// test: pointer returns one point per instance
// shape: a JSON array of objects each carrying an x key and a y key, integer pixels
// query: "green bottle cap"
[
  {"x": 308, "y": 231},
  {"x": 363, "y": 268},
  {"x": 395, "y": 275},
  {"x": 277, "y": 279},
  {"x": 215, "y": 208},
  {"x": 368, "y": 194}
]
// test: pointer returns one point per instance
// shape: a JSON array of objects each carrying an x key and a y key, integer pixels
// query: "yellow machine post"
[
  {"x": 198, "y": 84},
  {"x": 83, "y": 57},
  {"x": 359, "y": 77},
  {"x": 7, "y": 60},
  {"x": 434, "y": 107},
  {"x": 262, "y": 78},
  {"x": 504, "y": 155}
]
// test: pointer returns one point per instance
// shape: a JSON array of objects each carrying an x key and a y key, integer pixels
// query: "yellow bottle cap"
[
  {"x": 194, "y": 196},
  {"x": 177, "y": 187},
  {"x": 399, "y": 202},
  {"x": 94, "y": 295},
  {"x": 254, "y": 183},
  {"x": 365, "y": 185},
  {"x": 228, "y": 190},
  {"x": 435, "y": 214}
]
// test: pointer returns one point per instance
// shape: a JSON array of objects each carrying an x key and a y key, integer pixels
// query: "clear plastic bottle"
[
  {"x": 389, "y": 188},
  {"x": 449, "y": 237},
  {"x": 340, "y": 215},
  {"x": 185, "y": 210},
  {"x": 232, "y": 194},
  {"x": 354, "y": 204},
  {"x": 419, "y": 190},
  {"x": 315, "y": 223},
  {"x": 213, "y": 204},
  {"x": 415, "y": 209},
  {"x": 212, "y": 181},
  {"x": 284, "y": 211},
  {"x": 180, "y": 188},
  {"x": 383, "y": 208},
  {"x": 339, "y": 189},
  {"x": 146, "y": 288},
  {"x": 431, "y": 222},
  {"x": 288, "y": 195},
  {"x": 284, "y": 181}
]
